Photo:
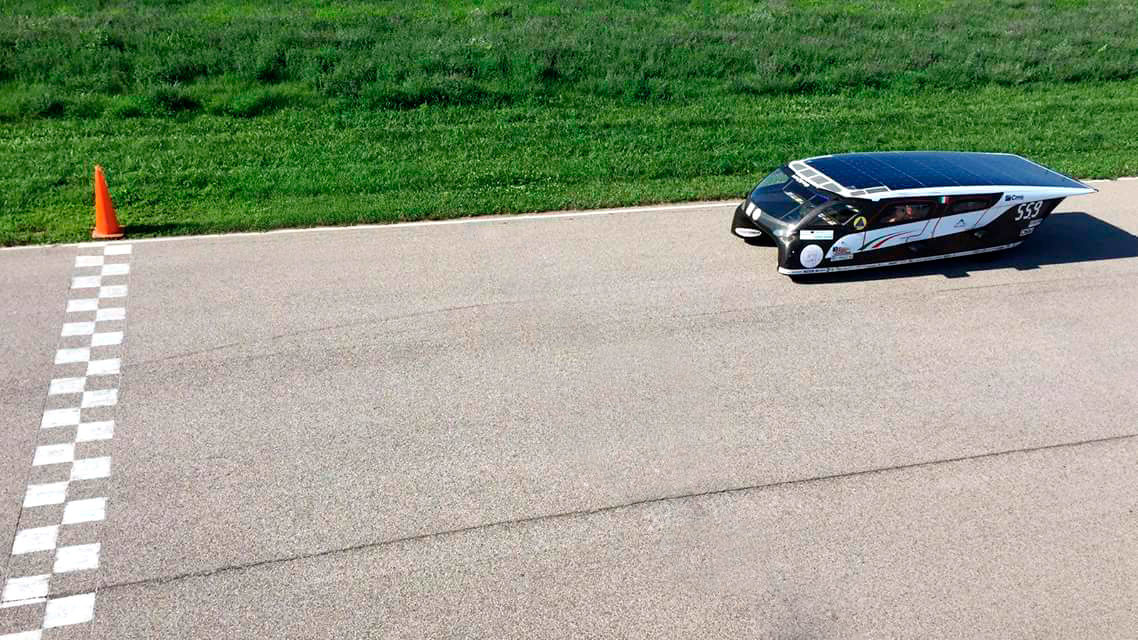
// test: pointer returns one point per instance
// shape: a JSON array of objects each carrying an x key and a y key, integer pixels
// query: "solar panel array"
[{"x": 897, "y": 170}]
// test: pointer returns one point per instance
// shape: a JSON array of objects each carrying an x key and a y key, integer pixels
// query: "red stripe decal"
[{"x": 888, "y": 238}]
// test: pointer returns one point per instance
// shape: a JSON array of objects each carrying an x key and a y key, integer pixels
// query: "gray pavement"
[
  {"x": 1023, "y": 545},
  {"x": 33, "y": 294},
  {"x": 608, "y": 426}
]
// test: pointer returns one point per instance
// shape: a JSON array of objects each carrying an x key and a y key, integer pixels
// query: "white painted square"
[
  {"x": 54, "y": 454},
  {"x": 39, "y": 495},
  {"x": 78, "y": 329},
  {"x": 79, "y": 557},
  {"x": 88, "y": 261},
  {"x": 99, "y": 398},
  {"x": 113, "y": 291},
  {"x": 89, "y": 431},
  {"x": 89, "y": 510},
  {"x": 61, "y": 612},
  {"x": 60, "y": 418},
  {"x": 86, "y": 282},
  {"x": 23, "y": 635},
  {"x": 107, "y": 367},
  {"x": 67, "y": 356},
  {"x": 106, "y": 339},
  {"x": 118, "y": 269},
  {"x": 116, "y": 250},
  {"x": 27, "y": 588},
  {"x": 61, "y": 386},
  {"x": 32, "y": 540},
  {"x": 82, "y": 304},
  {"x": 91, "y": 468},
  {"x": 113, "y": 313}
]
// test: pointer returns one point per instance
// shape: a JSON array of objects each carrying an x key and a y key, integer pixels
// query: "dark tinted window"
[
  {"x": 778, "y": 177},
  {"x": 971, "y": 204},
  {"x": 786, "y": 201},
  {"x": 837, "y": 214},
  {"x": 902, "y": 213}
]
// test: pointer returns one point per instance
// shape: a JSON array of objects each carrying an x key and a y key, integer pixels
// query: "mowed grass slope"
[{"x": 214, "y": 116}]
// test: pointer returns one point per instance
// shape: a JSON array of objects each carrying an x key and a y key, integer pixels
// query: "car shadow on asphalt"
[{"x": 1062, "y": 239}]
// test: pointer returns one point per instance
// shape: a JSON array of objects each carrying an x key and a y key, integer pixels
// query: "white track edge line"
[{"x": 486, "y": 219}]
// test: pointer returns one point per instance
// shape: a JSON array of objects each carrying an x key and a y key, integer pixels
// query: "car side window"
[
  {"x": 970, "y": 204},
  {"x": 837, "y": 214},
  {"x": 904, "y": 212}
]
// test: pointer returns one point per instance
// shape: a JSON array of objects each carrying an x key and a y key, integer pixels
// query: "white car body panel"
[{"x": 957, "y": 223}]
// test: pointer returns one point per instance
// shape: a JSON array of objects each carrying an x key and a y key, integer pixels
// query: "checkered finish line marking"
[{"x": 56, "y": 547}]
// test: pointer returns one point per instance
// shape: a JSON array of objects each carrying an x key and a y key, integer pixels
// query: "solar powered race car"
[{"x": 860, "y": 210}]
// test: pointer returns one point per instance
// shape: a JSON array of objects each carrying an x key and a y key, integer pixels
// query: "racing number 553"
[{"x": 1029, "y": 210}]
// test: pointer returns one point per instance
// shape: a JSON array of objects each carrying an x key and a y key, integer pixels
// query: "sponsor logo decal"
[
  {"x": 841, "y": 253},
  {"x": 1012, "y": 198},
  {"x": 1027, "y": 231},
  {"x": 811, "y": 256},
  {"x": 959, "y": 223},
  {"x": 806, "y": 234},
  {"x": 859, "y": 223},
  {"x": 1034, "y": 223}
]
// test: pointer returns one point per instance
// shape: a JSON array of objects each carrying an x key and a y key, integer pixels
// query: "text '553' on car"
[{"x": 861, "y": 210}]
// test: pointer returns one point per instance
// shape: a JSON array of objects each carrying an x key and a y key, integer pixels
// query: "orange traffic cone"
[{"x": 106, "y": 226}]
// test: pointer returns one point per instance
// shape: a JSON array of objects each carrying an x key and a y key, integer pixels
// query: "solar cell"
[{"x": 930, "y": 169}]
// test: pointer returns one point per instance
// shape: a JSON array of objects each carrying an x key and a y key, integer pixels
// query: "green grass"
[{"x": 216, "y": 116}]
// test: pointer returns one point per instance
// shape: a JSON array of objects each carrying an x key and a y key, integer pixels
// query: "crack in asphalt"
[
  {"x": 161, "y": 580},
  {"x": 321, "y": 329}
]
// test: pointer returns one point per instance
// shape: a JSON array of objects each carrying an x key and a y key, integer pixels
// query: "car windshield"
[{"x": 785, "y": 199}]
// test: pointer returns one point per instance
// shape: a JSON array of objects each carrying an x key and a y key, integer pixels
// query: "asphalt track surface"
[{"x": 624, "y": 425}]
